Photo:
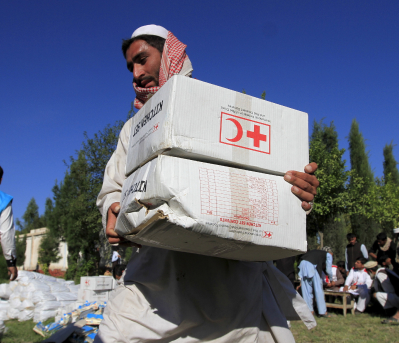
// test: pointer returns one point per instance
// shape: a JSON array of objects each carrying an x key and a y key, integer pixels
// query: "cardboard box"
[
  {"x": 96, "y": 283},
  {"x": 90, "y": 295},
  {"x": 207, "y": 209},
  {"x": 191, "y": 119}
]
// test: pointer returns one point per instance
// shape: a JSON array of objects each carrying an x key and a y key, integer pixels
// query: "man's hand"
[
  {"x": 332, "y": 284},
  {"x": 353, "y": 287},
  {"x": 12, "y": 273},
  {"x": 304, "y": 185},
  {"x": 113, "y": 237},
  {"x": 374, "y": 256},
  {"x": 345, "y": 289}
]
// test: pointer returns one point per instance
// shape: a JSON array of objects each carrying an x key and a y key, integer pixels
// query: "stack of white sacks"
[{"x": 36, "y": 296}]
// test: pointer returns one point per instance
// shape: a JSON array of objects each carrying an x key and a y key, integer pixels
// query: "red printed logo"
[
  {"x": 267, "y": 234},
  {"x": 244, "y": 133}
]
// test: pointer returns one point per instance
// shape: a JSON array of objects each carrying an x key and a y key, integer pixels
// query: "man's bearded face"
[{"x": 144, "y": 61}]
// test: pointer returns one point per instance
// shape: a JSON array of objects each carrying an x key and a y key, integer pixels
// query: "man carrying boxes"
[{"x": 167, "y": 293}]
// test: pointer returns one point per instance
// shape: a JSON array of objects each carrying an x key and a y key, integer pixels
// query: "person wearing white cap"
[{"x": 171, "y": 296}]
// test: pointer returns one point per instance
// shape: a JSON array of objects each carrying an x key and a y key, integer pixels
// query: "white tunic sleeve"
[
  {"x": 114, "y": 174},
  {"x": 7, "y": 231}
]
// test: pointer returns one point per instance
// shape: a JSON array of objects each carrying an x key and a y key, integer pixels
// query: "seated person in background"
[
  {"x": 336, "y": 281},
  {"x": 359, "y": 284},
  {"x": 386, "y": 286},
  {"x": 385, "y": 262},
  {"x": 342, "y": 269},
  {"x": 384, "y": 246}
]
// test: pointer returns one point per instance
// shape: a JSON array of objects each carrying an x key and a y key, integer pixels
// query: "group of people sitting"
[{"x": 362, "y": 278}]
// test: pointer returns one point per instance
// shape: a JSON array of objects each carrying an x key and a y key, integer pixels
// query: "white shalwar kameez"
[
  {"x": 170, "y": 296},
  {"x": 362, "y": 280}
]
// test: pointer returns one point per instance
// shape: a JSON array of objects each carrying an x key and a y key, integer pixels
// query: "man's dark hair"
[
  {"x": 1, "y": 172},
  {"x": 154, "y": 41},
  {"x": 341, "y": 264},
  {"x": 350, "y": 236},
  {"x": 118, "y": 270},
  {"x": 382, "y": 259},
  {"x": 382, "y": 236},
  {"x": 362, "y": 260}
]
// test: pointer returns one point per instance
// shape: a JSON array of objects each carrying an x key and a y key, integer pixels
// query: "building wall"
[{"x": 33, "y": 239}]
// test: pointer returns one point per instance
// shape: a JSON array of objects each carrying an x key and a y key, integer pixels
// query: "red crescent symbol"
[{"x": 239, "y": 131}]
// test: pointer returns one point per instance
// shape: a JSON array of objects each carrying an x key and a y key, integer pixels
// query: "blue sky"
[{"x": 63, "y": 73}]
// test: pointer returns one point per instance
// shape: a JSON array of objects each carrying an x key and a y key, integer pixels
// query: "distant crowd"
[{"x": 365, "y": 275}]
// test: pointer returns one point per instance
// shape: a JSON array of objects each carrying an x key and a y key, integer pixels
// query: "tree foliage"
[
  {"x": 361, "y": 186},
  {"x": 331, "y": 198},
  {"x": 74, "y": 217},
  {"x": 391, "y": 172},
  {"x": 31, "y": 218}
]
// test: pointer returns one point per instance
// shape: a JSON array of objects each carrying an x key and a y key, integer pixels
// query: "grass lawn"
[
  {"x": 364, "y": 328},
  {"x": 22, "y": 332}
]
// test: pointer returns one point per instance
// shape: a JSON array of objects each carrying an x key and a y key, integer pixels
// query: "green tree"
[
  {"x": 263, "y": 95},
  {"x": 31, "y": 218},
  {"x": 331, "y": 198},
  {"x": 361, "y": 184},
  {"x": 48, "y": 249},
  {"x": 390, "y": 165},
  {"x": 74, "y": 216}
]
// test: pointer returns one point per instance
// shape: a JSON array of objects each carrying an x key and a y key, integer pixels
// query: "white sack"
[
  {"x": 13, "y": 285},
  {"x": 3, "y": 315},
  {"x": 74, "y": 288},
  {"x": 42, "y": 316},
  {"x": 58, "y": 287},
  {"x": 15, "y": 302},
  {"x": 12, "y": 313},
  {"x": 26, "y": 305},
  {"x": 48, "y": 305},
  {"x": 25, "y": 315},
  {"x": 5, "y": 291},
  {"x": 37, "y": 285},
  {"x": 70, "y": 282},
  {"x": 65, "y": 296},
  {"x": 26, "y": 295},
  {"x": 41, "y": 296},
  {"x": 4, "y": 305}
]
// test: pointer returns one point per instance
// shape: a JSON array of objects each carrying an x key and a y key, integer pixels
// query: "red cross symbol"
[
  {"x": 256, "y": 136},
  {"x": 156, "y": 127},
  {"x": 267, "y": 234},
  {"x": 87, "y": 282}
]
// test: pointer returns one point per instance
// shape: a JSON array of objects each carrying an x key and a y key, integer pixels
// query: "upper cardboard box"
[{"x": 191, "y": 119}]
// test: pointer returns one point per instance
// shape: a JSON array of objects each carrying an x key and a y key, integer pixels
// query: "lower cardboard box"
[{"x": 213, "y": 210}]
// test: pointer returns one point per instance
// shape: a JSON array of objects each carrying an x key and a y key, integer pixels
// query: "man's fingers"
[
  {"x": 300, "y": 183},
  {"x": 306, "y": 206},
  {"x": 311, "y": 168},
  {"x": 294, "y": 177}
]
